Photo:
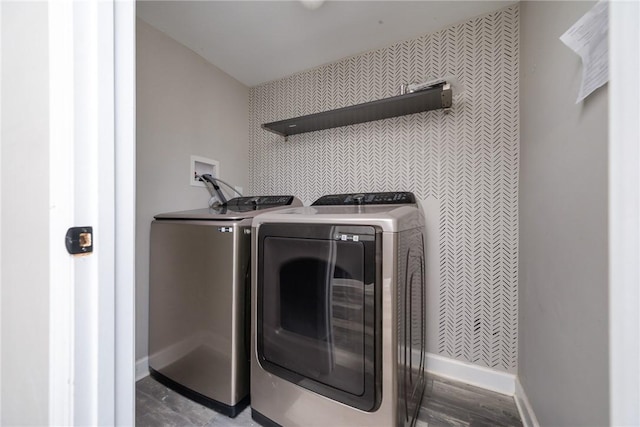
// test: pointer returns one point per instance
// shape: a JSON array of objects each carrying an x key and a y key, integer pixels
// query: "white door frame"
[
  {"x": 92, "y": 119},
  {"x": 61, "y": 313},
  {"x": 624, "y": 214},
  {"x": 125, "y": 198}
]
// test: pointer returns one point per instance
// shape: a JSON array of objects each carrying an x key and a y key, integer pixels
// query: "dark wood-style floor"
[{"x": 446, "y": 403}]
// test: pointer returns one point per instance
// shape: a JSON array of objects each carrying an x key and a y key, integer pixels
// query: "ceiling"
[{"x": 261, "y": 41}]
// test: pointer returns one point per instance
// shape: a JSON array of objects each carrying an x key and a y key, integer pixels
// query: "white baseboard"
[
  {"x": 527, "y": 415},
  {"x": 142, "y": 368},
  {"x": 487, "y": 378}
]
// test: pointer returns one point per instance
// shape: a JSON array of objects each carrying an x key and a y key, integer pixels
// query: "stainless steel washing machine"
[
  {"x": 199, "y": 303},
  {"x": 338, "y": 303}
]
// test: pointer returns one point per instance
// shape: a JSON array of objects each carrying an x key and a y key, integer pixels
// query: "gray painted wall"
[
  {"x": 185, "y": 106},
  {"x": 25, "y": 214},
  {"x": 563, "y": 340}
]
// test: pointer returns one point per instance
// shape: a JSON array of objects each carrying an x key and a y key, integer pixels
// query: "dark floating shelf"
[{"x": 429, "y": 99}]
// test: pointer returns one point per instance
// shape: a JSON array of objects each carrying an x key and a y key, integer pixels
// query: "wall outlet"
[{"x": 200, "y": 166}]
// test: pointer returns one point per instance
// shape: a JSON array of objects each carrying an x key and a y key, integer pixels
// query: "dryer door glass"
[{"x": 317, "y": 307}]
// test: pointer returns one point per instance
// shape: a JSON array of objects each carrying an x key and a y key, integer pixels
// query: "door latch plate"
[{"x": 79, "y": 240}]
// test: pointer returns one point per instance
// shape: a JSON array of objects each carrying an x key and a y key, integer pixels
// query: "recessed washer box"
[{"x": 200, "y": 166}]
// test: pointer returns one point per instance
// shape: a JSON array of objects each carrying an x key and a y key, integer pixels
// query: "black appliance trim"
[
  {"x": 263, "y": 420},
  {"x": 223, "y": 408}
]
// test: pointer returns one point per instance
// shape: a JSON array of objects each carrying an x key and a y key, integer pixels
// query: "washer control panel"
[
  {"x": 260, "y": 201},
  {"x": 389, "y": 198}
]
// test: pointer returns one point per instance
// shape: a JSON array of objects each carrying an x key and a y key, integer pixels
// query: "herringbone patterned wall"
[{"x": 466, "y": 160}]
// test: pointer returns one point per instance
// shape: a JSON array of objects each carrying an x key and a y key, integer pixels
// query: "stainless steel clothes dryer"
[
  {"x": 338, "y": 327},
  {"x": 199, "y": 303}
]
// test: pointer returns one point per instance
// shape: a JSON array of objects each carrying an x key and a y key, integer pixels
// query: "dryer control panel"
[{"x": 389, "y": 198}]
